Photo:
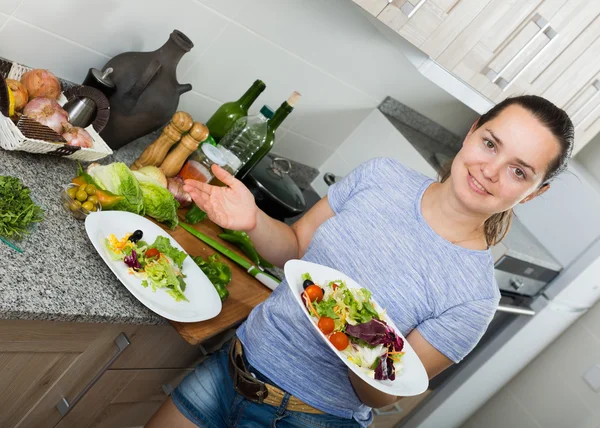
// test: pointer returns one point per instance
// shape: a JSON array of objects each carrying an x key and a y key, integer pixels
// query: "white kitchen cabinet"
[
  {"x": 502, "y": 48},
  {"x": 430, "y": 24}
]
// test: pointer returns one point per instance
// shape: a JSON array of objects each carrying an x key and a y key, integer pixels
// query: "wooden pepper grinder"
[
  {"x": 155, "y": 153},
  {"x": 188, "y": 144}
]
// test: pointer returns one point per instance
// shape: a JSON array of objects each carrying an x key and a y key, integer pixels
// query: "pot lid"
[{"x": 271, "y": 175}]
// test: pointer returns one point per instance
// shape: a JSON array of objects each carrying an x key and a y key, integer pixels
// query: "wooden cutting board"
[{"x": 245, "y": 292}]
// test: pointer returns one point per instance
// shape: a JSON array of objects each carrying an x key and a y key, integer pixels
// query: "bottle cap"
[
  {"x": 213, "y": 154},
  {"x": 267, "y": 111}
]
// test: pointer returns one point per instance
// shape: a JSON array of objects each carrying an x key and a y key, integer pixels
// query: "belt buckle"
[{"x": 244, "y": 382}]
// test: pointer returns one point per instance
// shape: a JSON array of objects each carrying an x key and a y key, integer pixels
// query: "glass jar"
[{"x": 198, "y": 165}]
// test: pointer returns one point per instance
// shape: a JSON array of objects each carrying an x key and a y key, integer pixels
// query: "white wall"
[
  {"x": 550, "y": 392},
  {"x": 327, "y": 50},
  {"x": 589, "y": 157},
  {"x": 374, "y": 137}
]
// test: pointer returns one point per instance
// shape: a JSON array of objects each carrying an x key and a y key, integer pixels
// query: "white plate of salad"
[
  {"x": 356, "y": 328},
  {"x": 153, "y": 266}
]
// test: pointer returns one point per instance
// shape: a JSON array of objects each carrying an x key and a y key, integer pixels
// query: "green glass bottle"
[
  {"x": 226, "y": 115},
  {"x": 282, "y": 112}
]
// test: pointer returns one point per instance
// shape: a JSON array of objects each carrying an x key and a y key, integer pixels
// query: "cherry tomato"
[
  {"x": 314, "y": 293},
  {"x": 334, "y": 286},
  {"x": 326, "y": 325},
  {"x": 152, "y": 252},
  {"x": 339, "y": 340}
]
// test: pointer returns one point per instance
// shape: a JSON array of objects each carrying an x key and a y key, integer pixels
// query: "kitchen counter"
[{"x": 60, "y": 276}]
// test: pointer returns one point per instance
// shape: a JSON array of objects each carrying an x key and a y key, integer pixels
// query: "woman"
[{"x": 421, "y": 247}]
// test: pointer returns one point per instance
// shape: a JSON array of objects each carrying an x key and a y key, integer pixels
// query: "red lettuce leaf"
[
  {"x": 132, "y": 261},
  {"x": 376, "y": 332}
]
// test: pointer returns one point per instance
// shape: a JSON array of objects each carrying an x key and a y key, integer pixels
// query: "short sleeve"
[
  {"x": 456, "y": 331},
  {"x": 341, "y": 191}
]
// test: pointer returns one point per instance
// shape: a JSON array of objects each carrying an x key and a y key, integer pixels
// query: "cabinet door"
[
  {"x": 158, "y": 347},
  {"x": 431, "y": 25},
  {"x": 50, "y": 363},
  {"x": 374, "y": 7},
  {"x": 508, "y": 40},
  {"x": 584, "y": 110},
  {"x": 124, "y": 398},
  {"x": 391, "y": 416}
]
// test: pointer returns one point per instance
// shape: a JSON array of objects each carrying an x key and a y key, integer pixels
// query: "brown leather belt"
[{"x": 255, "y": 390}]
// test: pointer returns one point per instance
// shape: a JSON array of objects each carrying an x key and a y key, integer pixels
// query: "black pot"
[{"x": 274, "y": 190}]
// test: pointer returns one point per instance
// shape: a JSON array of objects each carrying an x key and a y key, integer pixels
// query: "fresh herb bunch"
[{"x": 17, "y": 210}]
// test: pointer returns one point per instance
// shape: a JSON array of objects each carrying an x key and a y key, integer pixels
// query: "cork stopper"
[{"x": 294, "y": 98}]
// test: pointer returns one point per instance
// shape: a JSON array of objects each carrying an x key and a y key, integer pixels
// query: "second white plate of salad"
[
  {"x": 153, "y": 266},
  {"x": 356, "y": 328}
]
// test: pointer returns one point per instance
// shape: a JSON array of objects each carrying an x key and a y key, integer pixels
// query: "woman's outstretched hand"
[{"x": 231, "y": 207}]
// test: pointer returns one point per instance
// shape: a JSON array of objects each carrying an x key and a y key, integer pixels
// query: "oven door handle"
[{"x": 517, "y": 310}]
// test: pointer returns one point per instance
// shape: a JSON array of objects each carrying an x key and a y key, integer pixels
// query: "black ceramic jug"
[{"x": 147, "y": 92}]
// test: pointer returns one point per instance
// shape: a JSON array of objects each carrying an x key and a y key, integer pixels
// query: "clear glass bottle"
[
  {"x": 244, "y": 139},
  {"x": 282, "y": 112}
]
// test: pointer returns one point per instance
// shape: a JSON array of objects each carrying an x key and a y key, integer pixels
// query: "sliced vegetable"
[
  {"x": 217, "y": 272},
  {"x": 243, "y": 241},
  {"x": 195, "y": 215}
]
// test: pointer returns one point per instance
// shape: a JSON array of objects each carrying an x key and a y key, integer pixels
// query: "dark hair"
[{"x": 556, "y": 121}]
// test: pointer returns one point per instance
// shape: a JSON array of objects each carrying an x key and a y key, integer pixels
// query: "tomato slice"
[
  {"x": 151, "y": 252},
  {"x": 339, "y": 340},
  {"x": 314, "y": 292},
  {"x": 326, "y": 325},
  {"x": 334, "y": 286}
]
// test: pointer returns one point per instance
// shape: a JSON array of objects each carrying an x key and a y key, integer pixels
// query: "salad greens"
[
  {"x": 368, "y": 341},
  {"x": 195, "y": 215},
  {"x": 163, "y": 244},
  {"x": 118, "y": 179},
  {"x": 17, "y": 210},
  {"x": 158, "y": 264},
  {"x": 158, "y": 202}
]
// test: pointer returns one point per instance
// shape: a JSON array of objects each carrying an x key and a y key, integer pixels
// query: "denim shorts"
[{"x": 207, "y": 398}]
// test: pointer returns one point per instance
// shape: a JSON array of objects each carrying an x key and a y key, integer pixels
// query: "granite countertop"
[{"x": 60, "y": 276}]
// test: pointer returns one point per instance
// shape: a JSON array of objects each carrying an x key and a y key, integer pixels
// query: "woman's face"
[{"x": 503, "y": 162}]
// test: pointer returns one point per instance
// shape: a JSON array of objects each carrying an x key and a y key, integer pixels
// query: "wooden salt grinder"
[{"x": 155, "y": 153}]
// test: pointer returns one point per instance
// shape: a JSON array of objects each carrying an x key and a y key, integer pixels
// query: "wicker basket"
[{"x": 11, "y": 138}]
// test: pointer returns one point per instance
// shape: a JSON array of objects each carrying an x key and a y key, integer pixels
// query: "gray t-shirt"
[{"x": 379, "y": 238}]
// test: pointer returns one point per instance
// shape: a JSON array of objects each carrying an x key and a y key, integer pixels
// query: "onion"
[
  {"x": 47, "y": 112},
  {"x": 19, "y": 92},
  {"x": 77, "y": 136},
  {"x": 175, "y": 186},
  {"x": 41, "y": 83}
]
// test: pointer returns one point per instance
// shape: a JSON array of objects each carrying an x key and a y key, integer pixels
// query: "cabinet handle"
[
  {"x": 64, "y": 406},
  {"x": 517, "y": 310},
  {"x": 544, "y": 29},
  {"x": 167, "y": 388},
  {"x": 408, "y": 9}
]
